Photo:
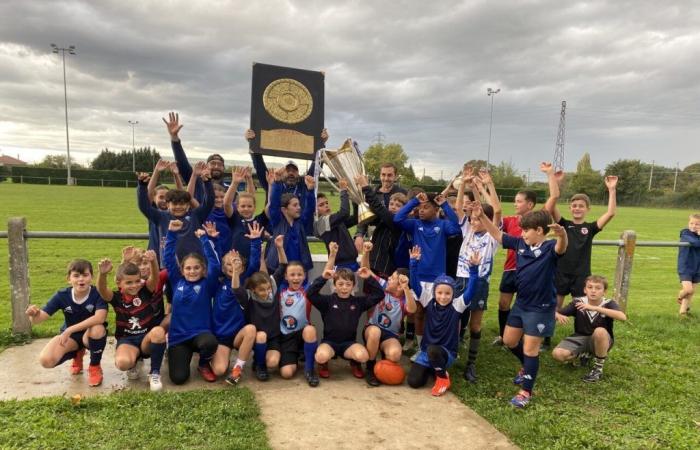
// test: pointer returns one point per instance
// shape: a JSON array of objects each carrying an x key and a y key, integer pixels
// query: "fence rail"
[{"x": 17, "y": 236}]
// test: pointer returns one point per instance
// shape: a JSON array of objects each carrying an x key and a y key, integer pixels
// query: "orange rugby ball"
[{"x": 389, "y": 372}]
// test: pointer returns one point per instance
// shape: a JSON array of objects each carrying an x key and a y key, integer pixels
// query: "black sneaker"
[
  {"x": 470, "y": 373},
  {"x": 584, "y": 359},
  {"x": 311, "y": 378},
  {"x": 593, "y": 376},
  {"x": 261, "y": 373},
  {"x": 371, "y": 379},
  {"x": 546, "y": 344}
]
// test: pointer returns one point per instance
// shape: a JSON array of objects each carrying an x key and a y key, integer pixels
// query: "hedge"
[{"x": 83, "y": 177}]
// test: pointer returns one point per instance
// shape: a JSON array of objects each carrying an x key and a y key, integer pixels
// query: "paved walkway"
[{"x": 342, "y": 412}]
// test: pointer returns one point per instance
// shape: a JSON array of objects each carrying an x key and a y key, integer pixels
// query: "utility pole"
[
  {"x": 71, "y": 51},
  {"x": 379, "y": 138},
  {"x": 133, "y": 147},
  {"x": 491, "y": 93},
  {"x": 675, "y": 178},
  {"x": 651, "y": 174}
]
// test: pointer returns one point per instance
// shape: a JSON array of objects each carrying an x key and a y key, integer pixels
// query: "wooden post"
[
  {"x": 623, "y": 271},
  {"x": 19, "y": 274}
]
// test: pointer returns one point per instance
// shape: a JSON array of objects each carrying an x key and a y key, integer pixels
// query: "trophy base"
[{"x": 364, "y": 215}]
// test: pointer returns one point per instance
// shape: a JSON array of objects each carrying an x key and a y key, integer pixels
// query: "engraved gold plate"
[
  {"x": 288, "y": 100},
  {"x": 287, "y": 140}
]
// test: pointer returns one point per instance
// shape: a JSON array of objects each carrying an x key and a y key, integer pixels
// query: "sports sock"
[
  {"x": 410, "y": 330},
  {"x": 437, "y": 356},
  {"x": 531, "y": 366},
  {"x": 502, "y": 320},
  {"x": 419, "y": 339},
  {"x": 598, "y": 362},
  {"x": 370, "y": 365},
  {"x": 309, "y": 353},
  {"x": 518, "y": 352},
  {"x": 67, "y": 357},
  {"x": 96, "y": 347},
  {"x": 463, "y": 322},
  {"x": 239, "y": 363},
  {"x": 157, "y": 352},
  {"x": 259, "y": 355},
  {"x": 474, "y": 339}
]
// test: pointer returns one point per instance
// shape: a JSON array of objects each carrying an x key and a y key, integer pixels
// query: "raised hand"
[
  {"x": 32, "y": 311},
  {"x": 105, "y": 265},
  {"x": 176, "y": 225},
  {"x": 342, "y": 184},
  {"x": 254, "y": 231},
  {"x": 143, "y": 177},
  {"x": 328, "y": 274},
  {"x": 249, "y": 135},
  {"x": 546, "y": 167},
  {"x": 485, "y": 176},
  {"x": 324, "y": 135},
  {"x": 364, "y": 272},
  {"x": 440, "y": 199},
  {"x": 279, "y": 241},
  {"x": 310, "y": 182},
  {"x": 129, "y": 253},
  {"x": 173, "y": 125},
  {"x": 367, "y": 246},
  {"x": 271, "y": 176},
  {"x": 173, "y": 168},
  {"x": 237, "y": 175},
  {"x": 611, "y": 182},
  {"x": 415, "y": 252},
  {"x": 149, "y": 256},
  {"x": 477, "y": 211},
  {"x": 161, "y": 165},
  {"x": 467, "y": 171},
  {"x": 422, "y": 197},
  {"x": 280, "y": 173},
  {"x": 206, "y": 174},
  {"x": 333, "y": 248},
  {"x": 403, "y": 282},
  {"x": 361, "y": 181},
  {"x": 475, "y": 259},
  {"x": 210, "y": 229},
  {"x": 559, "y": 176},
  {"x": 199, "y": 233},
  {"x": 198, "y": 168},
  {"x": 557, "y": 229}
]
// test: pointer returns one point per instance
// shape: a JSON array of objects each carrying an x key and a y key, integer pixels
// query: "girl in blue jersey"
[
  {"x": 228, "y": 321},
  {"x": 443, "y": 312},
  {"x": 194, "y": 282}
]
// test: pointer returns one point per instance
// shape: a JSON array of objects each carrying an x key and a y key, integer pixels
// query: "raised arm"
[
  {"x": 452, "y": 222},
  {"x": 405, "y": 286},
  {"x": 249, "y": 182},
  {"x": 154, "y": 276},
  {"x": 173, "y": 126},
  {"x": 401, "y": 218},
  {"x": 366, "y": 250},
  {"x": 177, "y": 178},
  {"x": 203, "y": 210},
  {"x": 553, "y": 180},
  {"x": 275, "y": 204},
  {"x": 467, "y": 175},
  {"x": 192, "y": 184},
  {"x": 307, "y": 215},
  {"x": 169, "y": 259},
  {"x": 344, "y": 210},
  {"x": 332, "y": 254},
  {"x": 611, "y": 184},
  {"x": 562, "y": 239},
  {"x": 231, "y": 192},
  {"x": 692, "y": 238},
  {"x": 491, "y": 228},
  {"x": 104, "y": 267},
  {"x": 413, "y": 271},
  {"x": 487, "y": 181},
  {"x": 161, "y": 165},
  {"x": 145, "y": 205}
]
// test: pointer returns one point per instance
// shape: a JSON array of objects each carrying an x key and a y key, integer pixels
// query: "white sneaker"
[
  {"x": 154, "y": 382},
  {"x": 135, "y": 372},
  {"x": 415, "y": 356},
  {"x": 408, "y": 345}
]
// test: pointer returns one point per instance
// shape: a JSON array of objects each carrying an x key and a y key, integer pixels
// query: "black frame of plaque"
[{"x": 260, "y": 119}]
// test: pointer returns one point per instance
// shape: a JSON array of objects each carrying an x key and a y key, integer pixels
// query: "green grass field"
[{"x": 647, "y": 398}]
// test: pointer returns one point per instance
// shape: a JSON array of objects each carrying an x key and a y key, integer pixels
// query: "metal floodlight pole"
[
  {"x": 491, "y": 93},
  {"x": 133, "y": 147},
  {"x": 71, "y": 51}
]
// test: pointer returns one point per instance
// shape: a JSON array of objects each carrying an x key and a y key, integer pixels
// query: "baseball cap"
[
  {"x": 215, "y": 156},
  {"x": 291, "y": 163}
]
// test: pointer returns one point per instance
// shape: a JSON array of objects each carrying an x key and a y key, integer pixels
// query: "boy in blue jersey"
[
  {"x": 85, "y": 314},
  {"x": 430, "y": 233},
  {"x": 139, "y": 312},
  {"x": 532, "y": 317},
  {"x": 689, "y": 263},
  {"x": 195, "y": 281},
  {"x": 178, "y": 209},
  {"x": 443, "y": 311},
  {"x": 228, "y": 321},
  {"x": 288, "y": 218},
  {"x": 333, "y": 227},
  {"x": 384, "y": 320}
]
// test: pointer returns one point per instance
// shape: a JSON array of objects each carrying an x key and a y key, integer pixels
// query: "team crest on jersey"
[
  {"x": 584, "y": 231},
  {"x": 353, "y": 307},
  {"x": 540, "y": 327},
  {"x": 384, "y": 320},
  {"x": 137, "y": 301},
  {"x": 197, "y": 288},
  {"x": 537, "y": 253},
  {"x": 289, "y": 301},
  {"x": 290, "y": 322},
  {"x": 436, "y": 229},
  {"x": 90, "y": 308},
  {"x": 181, "y": 288},
  {"x": 521, "y": 251},
  {"x": 68, "y": 310}
]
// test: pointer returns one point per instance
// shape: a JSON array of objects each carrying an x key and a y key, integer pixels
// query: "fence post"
[
  {"x": 49, "y": 180},
  {"x": 19, "y": 274},
  {"x": 623, "y": 271}
]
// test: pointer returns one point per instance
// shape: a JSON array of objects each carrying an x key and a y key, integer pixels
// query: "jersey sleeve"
[
  {"x": 568, "y": 310},
  {"x": 510, "y": 242},
  {"x": 54, "y": 304},
  {"x": 313, "y": 294}
]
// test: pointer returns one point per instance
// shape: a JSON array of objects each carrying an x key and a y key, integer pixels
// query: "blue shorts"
[
  {"x": 78, "y": 338},
  {"x": 533, "y": 323},
  {"x": 339, "y": 347},
  {"x": 480, "y": 300},
  {"x": 422, "y": 358},
  {"x": 508, "y": 282},
  {"x": 694, "y": 278},
  {"x": 134, "y": 340}
]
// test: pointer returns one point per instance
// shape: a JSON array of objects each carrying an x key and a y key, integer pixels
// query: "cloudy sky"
[{"x": 415, "y": 71}]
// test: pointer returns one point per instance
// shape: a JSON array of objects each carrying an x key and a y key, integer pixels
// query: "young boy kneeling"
[{"x": 593, "y": 327}]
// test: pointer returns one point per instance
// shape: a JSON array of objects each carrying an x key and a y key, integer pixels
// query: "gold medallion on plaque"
[{"x": 288, "y": 100}]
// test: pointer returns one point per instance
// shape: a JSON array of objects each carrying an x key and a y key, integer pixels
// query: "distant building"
[{"x": 9, "y": 161}]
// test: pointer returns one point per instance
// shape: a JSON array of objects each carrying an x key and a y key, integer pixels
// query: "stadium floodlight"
[{"x": 71, "y": 51}]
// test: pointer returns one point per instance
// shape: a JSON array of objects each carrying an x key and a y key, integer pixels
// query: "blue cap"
[{"x": 444, "y": 279}]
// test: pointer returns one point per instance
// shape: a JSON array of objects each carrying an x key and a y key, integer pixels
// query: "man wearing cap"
[{"x": 215, "y": 162}]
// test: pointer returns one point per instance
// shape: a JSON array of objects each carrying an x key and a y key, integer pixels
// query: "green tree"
[
  {"x": 378, "y": 154},
  {"x": 145, "y": 157},
  {"x": 506, "y": 176},
  {"x": 632, "y": 187},
  {"x": 586, "y": 180},
  {"x": 56, "y": 162}
]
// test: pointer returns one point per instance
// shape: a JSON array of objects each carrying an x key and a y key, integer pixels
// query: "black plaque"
[{"x": 286, "y": 111}]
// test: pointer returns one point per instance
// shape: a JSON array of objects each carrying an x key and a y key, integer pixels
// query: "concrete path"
[{"x": 342, "y": 412}]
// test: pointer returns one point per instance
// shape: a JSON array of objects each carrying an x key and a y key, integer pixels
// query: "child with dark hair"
[
  {"x": 195, "y": 281},
  {"x": 139, "y": 313},
  {"x": 85, "y": 325},
  {"x": 532, "y": 316},
  {"x": 341, "y": 313},
  {"x": 333, "y": 227}
]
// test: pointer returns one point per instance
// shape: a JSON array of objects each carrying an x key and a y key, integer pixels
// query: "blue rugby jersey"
[
  {"x": 689, "y": 257},
  {"x": 74, "y": 313},
  {"x": 389, "y": 312},
  {"x": 294, "y": 308},
  {"x": 191, "y": 305},
  {"x": 535, "y": 272},
  {"x": 227, "y": 314}
]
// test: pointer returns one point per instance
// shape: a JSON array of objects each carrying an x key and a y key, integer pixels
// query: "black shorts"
[
  {"x": 692, "y": 277},
  {"x": 570, "y": 284},
  {"x": 339, "y": 347},
  {"x": 292, "y": 346},
  {"x": 386, "y": 334},
  {"x": 508, "y": 282},
  {"x": 274, "y": 344},
  {"x": 226, "y": 341},
  {"x": 78, "y": 338}
]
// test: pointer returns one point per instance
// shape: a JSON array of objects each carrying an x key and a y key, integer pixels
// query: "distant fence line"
[{"x": 17, "y": 236}]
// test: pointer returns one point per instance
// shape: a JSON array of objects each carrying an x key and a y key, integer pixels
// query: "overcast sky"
[{"x": 415, "y": 71}]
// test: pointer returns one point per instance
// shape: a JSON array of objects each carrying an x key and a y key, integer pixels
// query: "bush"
[{"x": 83, "y": 177}]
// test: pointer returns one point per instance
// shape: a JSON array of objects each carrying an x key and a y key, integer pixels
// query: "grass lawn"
[
  {"x": 206, "y": 419},
  {"x": 647, "y": 398}
]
